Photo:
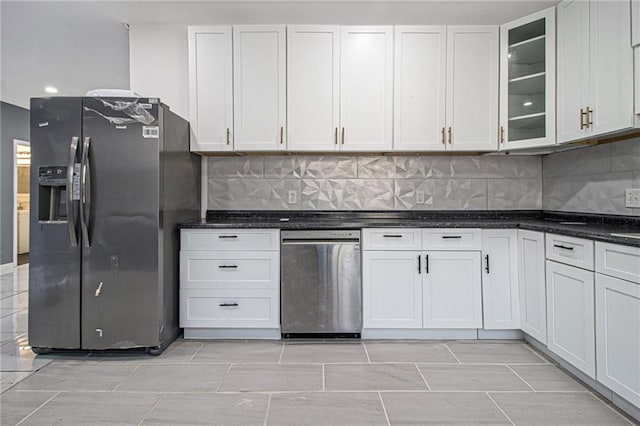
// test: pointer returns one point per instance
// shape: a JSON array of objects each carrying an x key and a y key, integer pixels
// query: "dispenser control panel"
[{"x": 52, "y": 175}]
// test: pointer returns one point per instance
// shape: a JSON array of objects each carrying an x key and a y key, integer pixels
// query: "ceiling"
[{"x": 81, "y": 45}]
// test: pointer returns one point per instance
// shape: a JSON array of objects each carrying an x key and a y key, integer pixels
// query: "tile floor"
[{"x": 290, "y": 383}]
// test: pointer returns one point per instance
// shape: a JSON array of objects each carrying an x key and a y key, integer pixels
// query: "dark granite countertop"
[{"x": 581, "y": 225}]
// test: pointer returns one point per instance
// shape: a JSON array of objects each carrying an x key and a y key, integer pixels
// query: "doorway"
[{"x": 21, "y": 207}]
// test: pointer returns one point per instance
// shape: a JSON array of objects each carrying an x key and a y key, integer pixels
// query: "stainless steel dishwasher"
[{"x": 321, "y": 283}]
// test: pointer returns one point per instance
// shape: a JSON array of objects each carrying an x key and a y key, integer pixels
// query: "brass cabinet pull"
[
  {"x": 450, "y": 136},
  {"x": 228, "y": 136},
  {"x": 581, "y": 118},
  {"x": 501, "y": 134},
  {"x": 588, "y": 113},
  {"x": 336, "y": 136},
  {"x": 343, "y": 136},
  {"x": 281, "y": 135},
  {"x": 443, "y": 139}
]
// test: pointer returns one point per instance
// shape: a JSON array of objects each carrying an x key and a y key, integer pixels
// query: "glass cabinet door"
[{"x": 528, "y": 82}]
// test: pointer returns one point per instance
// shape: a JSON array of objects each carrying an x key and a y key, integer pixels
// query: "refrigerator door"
[
  {"x": 120, "y": 248},
  {"x": 54, "y": 258}
]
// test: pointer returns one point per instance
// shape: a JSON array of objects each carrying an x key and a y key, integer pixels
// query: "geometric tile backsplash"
[{"x": 375, "y": 182}]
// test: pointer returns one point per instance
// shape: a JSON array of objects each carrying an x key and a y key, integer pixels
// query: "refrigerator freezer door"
[
  {"x": 54, "y": 267},
  {"x": 120, "y": 255}
]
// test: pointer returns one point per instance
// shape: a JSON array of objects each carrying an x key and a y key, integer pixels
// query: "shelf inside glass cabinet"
[{"x": 527, "y": 127}]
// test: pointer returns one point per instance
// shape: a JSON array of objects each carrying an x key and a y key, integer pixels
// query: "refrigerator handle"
[
  {"x": 71, "y": 217},
  {"x": 85, "y": 209}
]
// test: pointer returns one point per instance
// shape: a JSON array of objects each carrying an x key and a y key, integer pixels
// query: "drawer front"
[
  {"x": 391, "y": 239},
  {"x": 569, "y": 250},
  {"x": 452, "y": 239},
  {"x": 230, "y": 239},
  {"x": 229, "y": 308},
  {"x": 233, "y": 270},
  {"x": 618, "y": 261}
]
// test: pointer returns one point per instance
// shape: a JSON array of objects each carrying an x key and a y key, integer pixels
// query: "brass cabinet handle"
[
  {"x": 588, "y": 113},
  {"x": 343, "y": 136},
  {"x": 450, "y": 136},
  {"x": 228, "y": 136},
  {"x": 336, "y": 136},
  {"x": 501, "y": 134},
  {"x": 581, "y": 118},
  {"x": 281, "y": 135},
  {"x": 443, "y": 139}
]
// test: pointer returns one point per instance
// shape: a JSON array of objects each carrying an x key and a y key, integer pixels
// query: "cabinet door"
[
  {"x": 313, "y": 87},
  {"x": 618, "y": 336},
  {"x": 472, "y": 88},
  {"x": 391, "y": 289},
  {"x": 571, "y": 315},
  {"x": 210, "y": 88},
  {"x": 452, "y": 294},
  {"x": 419, "y": 88},
  {"x": 635, "y": 23},
  {"x": 531, "y": 278},
  {"x": 500, "y": 297},
  {"x": 611, "y": 56},
  {"x": 366, "y": 88},
  {"x": 528, "y": 81},
  {"x": 259, "y": 78},
  {"x": 573, "y": 69}
]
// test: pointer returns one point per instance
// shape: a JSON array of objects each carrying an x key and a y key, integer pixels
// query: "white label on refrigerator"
[
  {"x": 146, "y": 106},
  {"x": 75, "y": 188},
  {"x": 151, "y": 132}
]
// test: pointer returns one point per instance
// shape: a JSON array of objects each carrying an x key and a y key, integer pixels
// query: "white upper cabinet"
[
  {"x": 419, "y": 88},
  {"x": 313, "y": 87},
  {"x": 366, "y": 88},
  {"x": 595, "y": 69},
  {"x": 528, "y": 81},
  {"x": 259, "y": 79},
  {"x": 472, "y": 88},
  {"x": 210, "y": 88}
]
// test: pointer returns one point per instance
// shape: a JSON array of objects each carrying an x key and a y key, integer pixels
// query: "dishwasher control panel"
[{"x": 311, "y": 235}]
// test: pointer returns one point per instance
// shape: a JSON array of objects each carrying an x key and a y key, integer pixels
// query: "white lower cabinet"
[
  {"x": 531, "y": 278},
  {"x": 500, "y": 295},
  {"x": 452, "y": 290},
  {"x": 392, "y": 290},
  {"x": 570, "y": 315},
  {"x": 618, "y": 336}
]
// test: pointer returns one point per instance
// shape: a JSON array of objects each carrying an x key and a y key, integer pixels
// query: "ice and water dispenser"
[{"x": 52, "y": 193}]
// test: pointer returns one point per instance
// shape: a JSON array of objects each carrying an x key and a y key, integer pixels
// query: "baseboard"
[
  {"x": 232, "y": 333},
  {"x": 440, "y": 334},
  {"x": 7, "y": 267}
]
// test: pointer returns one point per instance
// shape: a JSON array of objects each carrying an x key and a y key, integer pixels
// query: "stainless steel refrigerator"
[{"x": 110, "y": 179}]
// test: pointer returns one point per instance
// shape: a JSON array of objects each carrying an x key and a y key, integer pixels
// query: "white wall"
[{"x": 159, "y": 64}]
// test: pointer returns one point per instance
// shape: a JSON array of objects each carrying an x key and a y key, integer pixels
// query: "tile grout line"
[
  {"x": 366, "y": 352},
  {"x": 526, "y": 345},
  {"x": 520, "y": 377},
  {"x": 151, "y": 409},
  {"x": 266, "y": 413},
  {"x": 384, "y": 409},
  {"x": 451, "y": 352},
  {"x": 196, "y": 353},
  {"x": 39, "y": 407},
  {"x": 126, "y": 378},
  {"x": 281, "y": 354},
  {"x": 500, "y": 408},
  {"x": 423, "y": 378},
  {"x": 323, "y": 379},
  {"x": 610, "y": 406},
  {"x": 223, "y": 377}
]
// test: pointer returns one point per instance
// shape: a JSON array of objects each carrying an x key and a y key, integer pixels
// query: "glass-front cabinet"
[{"x": 527, "y": 82}]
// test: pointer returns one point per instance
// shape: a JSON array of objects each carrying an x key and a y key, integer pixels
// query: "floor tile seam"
[
  {"x": 366, "y": 352},
  {"x": 533, "y": 350},
  {"x": 446, "y": 345},
  {"x": 280, "y": 357},
  {"x": 230, "y": 392},
  {"x": 499, "y": 408},
  {"x": 226, "y": 373},
  {"x": 266, "y": 413},
  {"x": 37, "y": 408},
  {"x": 520, "y": 377},
  {"x": 384, "y": 409},
  {"x": 196, "y": 353},
  {"x": 324, "y": 380},
  {"x": 423, "y": 378},
  {"x": 609, "y": 404},
  {"x": 126, "y": 378},
  {"x": 151, "y": 409}
]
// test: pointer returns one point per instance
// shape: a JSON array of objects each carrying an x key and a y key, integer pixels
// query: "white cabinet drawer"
[
  {"x": 618, "y": 261},
  {"x": 229, "y": 308},
  {"x": 451, "y": 239},
  {"x": 215, "y": 269},
  {"x": 230, "y": 239},
  {"x": 391, "y": 239},
  {"x": 572, "y": 251}
]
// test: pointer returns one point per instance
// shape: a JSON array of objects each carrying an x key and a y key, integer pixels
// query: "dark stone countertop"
[{"x": 590, "y": 226}]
